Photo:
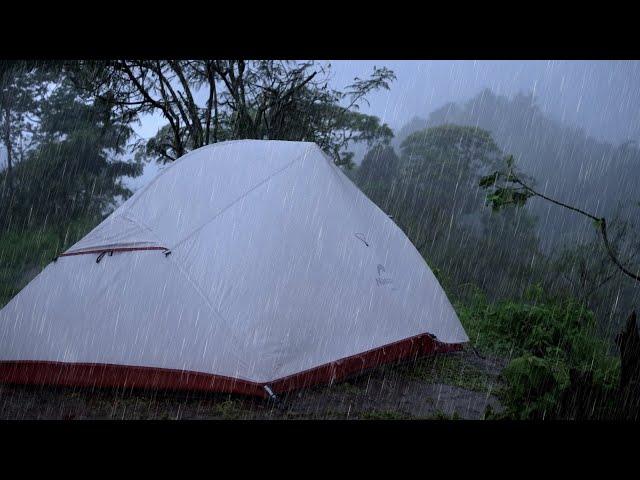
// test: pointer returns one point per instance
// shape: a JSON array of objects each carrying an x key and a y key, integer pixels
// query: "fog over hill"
[{"x": 565, "y": 162}]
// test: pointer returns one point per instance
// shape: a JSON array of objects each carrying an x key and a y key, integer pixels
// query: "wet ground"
[{"x": 457, "y": 385}]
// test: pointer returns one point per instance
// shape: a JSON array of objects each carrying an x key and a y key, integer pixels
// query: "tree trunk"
[
  {"x": 629, "y": 391},
  {"x": 215, "y": 112},
  {"x": 8, "y": 147},
  {"x": 213, "y": 99}
]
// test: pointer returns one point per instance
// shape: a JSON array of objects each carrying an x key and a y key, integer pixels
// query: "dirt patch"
[{"x": 459, "y": 385}]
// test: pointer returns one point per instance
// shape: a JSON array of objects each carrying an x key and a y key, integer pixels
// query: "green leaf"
[
  {"x": 510, "y": 161},
  {"x": 507, "y": 196},
  {"x": 521, "y": 197},
  {"x": 489, "y": 180}
]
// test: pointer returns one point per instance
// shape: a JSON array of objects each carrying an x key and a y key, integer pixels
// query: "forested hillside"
[{"x": 564, "y": 161}]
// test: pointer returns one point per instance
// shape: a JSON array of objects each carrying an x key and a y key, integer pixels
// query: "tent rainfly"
[{"x": 247, "y": 267}]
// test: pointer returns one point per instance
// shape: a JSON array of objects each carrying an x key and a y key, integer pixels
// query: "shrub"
[{"x": 545, "y": 338}]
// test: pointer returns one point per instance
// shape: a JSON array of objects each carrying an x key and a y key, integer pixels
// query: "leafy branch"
[{"x": 507, "y": 187}]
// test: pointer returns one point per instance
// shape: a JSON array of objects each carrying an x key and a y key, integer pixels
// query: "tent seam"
[
  {"x": 192, "y": 282},
  {"x": 195, "y": 284},
  {"x": 215, "y": 311},
  {"x": 244, "y": 195},
  {"x": 133, "y": 219},
  {"x": 127, "y": 216},
  {"x": 174, "y": 163}
]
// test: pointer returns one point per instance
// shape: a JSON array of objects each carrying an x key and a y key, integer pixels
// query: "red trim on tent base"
[
  {"x": 125, "y": 376},
  {"x": 409, "y": 348},
  {"x": 107, "y": 375}
]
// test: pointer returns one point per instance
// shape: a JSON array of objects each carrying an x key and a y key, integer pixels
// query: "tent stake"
[{"x": 272, "y": 395}]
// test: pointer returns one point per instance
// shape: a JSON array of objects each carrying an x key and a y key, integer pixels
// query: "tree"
[
  {"x": 22, "y": 84},
  {"x": 262, "y": 99},
  {"x": 76, "y": 168},
  {"x": 377, "y": 175},
  {"x": 438, "y": 176},
  {"x": 580, "y": 169},
  {"x": 379, "y": 164},
  {"x": 426, "y": 191},
  {"x": 509, "y": 187}
]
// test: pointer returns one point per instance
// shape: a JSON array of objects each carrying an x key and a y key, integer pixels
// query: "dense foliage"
[
  {"x": 548, "y": 339},
  {"x": 565, "y": 163}
]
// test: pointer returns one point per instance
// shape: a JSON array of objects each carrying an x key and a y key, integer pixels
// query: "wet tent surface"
[
  {"x": 457, "y": 385},
  {"x": 263, "y": 281}
]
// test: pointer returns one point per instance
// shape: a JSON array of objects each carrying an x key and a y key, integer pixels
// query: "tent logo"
[{"x": 383, "y": 280}]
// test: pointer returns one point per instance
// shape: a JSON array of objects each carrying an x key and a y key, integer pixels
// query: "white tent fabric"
[{"x": 254, "y": 260}]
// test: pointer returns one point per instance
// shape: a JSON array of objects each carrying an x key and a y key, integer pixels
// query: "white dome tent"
[{"x": 246, "y": 266}]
